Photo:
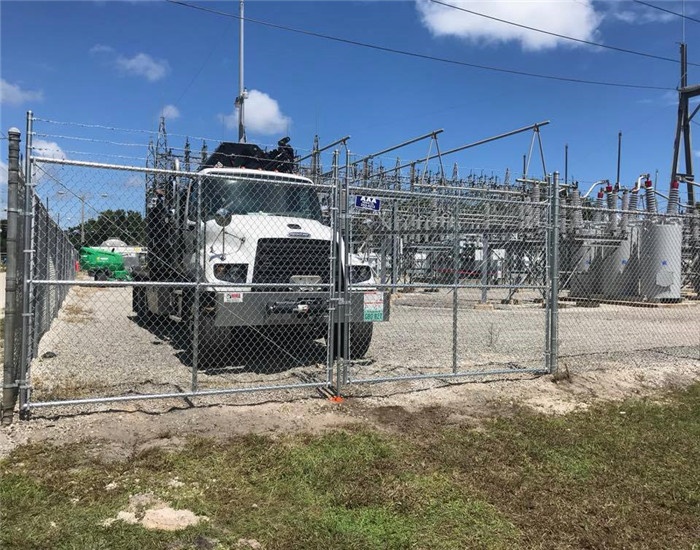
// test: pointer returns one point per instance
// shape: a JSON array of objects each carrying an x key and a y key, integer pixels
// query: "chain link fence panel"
[{"x": 629, "y": 278}]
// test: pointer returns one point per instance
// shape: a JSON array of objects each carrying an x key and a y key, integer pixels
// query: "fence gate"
[{"x": 465, "y": 269}]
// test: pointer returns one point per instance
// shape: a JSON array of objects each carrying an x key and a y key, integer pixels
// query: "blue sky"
[{"x": 122, "y": 64}]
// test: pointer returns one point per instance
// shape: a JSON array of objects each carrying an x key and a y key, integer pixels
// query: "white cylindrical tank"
[
  {"x": 617, "y": 272},
  {"x": 660, "y": 262},
  {"x": 582, "y": 283}
]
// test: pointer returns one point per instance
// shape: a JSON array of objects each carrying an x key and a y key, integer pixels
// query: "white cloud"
[
  {"x": 170, "y": 112},
  {"x": 100, "y": 49},
  {"x": 262, "y": 115},
  {"x": 140, "y": 64},
  {"x": 575, "y": 18},
  {"x": 47, "y": 149},
  {"x": 144, "y": 65},
  {"x": 12, "y": 94},
  {"x": 638, "y": 15}
]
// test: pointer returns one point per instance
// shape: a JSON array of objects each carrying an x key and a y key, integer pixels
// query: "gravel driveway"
[{"x": 96, "y": 348}]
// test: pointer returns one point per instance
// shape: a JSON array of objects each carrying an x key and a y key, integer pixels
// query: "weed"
[{"x": 562, "y": 374}]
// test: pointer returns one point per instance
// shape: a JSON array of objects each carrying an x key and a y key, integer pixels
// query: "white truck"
[{"x": 251, "y": 231}]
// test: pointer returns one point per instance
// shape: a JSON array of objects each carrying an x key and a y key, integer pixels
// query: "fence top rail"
[
  {"x": 273, "y": 177},
  {"x": 106, "y": 166}
]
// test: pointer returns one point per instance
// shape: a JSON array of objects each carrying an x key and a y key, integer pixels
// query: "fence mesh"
[
  {"x": 466, "y": 284},
  {"x": 629, "y": 280},
  {"x": 211, "y": 281}
]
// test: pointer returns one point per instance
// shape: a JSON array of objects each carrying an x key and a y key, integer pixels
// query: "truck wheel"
[
  {"x": 360, "y": 340},
  {"x": 101, "y": 275},
  {"x": 210, "y": 340},
  {"x": 140, "y": 304}
]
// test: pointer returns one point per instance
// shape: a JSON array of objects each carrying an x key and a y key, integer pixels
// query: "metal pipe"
[
  {"x": 599, "y": 182},
  {"x": 205, "y": 393},
  {"x": 199, "y": 275},
  {"x": 241, "y": 88},
  {"x": 9, "y": 387},
  {"x": 333, "y": 302},
  {"x": 347, "y": 233},
  {"x": 476, "y": 143},
  {"x": 554, "y": 306},
  {"x": 619, "y": 154},
  {"x": 27, "y": 287},
  {"x": 455, "y": 303},
  {"x": 324, "y": 148},
  {"x": 448, "y": 375},
  {"x": 432, "y": 134}
]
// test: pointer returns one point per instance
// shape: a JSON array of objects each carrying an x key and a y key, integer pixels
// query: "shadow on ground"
[{"x": 245, "y": 351}]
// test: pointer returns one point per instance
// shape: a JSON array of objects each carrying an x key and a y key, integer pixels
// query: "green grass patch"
[{"x": 616, "y": 476}]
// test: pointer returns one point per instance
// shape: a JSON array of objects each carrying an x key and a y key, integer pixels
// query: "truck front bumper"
[{"x": 243, "y": 309}]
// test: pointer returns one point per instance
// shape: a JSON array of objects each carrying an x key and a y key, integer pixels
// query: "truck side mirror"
[{"x": 222, "y": 217}]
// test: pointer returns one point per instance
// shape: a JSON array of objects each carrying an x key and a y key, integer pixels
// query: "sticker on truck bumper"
[
  {"x": 233, "y": 297},
  {"x": 373, "y": 306}
]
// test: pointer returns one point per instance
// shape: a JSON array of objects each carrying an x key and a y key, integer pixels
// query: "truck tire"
[
  {"x": 102, "y": 275},
  {"x": 360, "y": 340},
  {"x": 211, "y": 340},
  {"x": 140, "y": 304}
]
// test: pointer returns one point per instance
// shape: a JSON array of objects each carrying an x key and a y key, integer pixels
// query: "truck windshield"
[{"x": 242, "y": 196}]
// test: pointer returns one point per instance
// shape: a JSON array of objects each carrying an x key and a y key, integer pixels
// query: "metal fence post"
[
  {"x": 547, "y": 296},
  {"x": 334, "y": 276},
  {"x": 26, "y": 353},
  {"x": 199, "y": 277},
  {"x": 9, "y": 388},
  {"x": 554, "y": 305},
  {"x": 455, "y": 280}
]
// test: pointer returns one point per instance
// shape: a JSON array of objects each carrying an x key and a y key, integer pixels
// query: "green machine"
[{"x": 103, "y": 265}]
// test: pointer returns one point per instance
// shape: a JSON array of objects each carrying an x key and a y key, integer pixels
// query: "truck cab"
[{"x": 257, "y": 245}]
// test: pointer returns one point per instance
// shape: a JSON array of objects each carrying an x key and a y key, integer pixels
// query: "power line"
[
  {"x": 667, "y": 11},
  {"x": 563, "y": 36},
  {"x": 423, "y": 56}
]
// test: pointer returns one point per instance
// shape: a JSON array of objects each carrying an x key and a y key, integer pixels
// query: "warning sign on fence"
[{"x": 374, "y": 306}]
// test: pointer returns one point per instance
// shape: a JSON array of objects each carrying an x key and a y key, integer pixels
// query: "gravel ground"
[{"x": 95, "y": 348}]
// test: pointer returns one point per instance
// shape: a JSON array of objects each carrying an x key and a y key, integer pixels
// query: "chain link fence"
[
  {"x": 255, "y": 276},
  {"x": 630, "y": 276}
]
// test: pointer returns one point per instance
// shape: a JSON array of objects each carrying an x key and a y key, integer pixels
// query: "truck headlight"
[
  {"x": 360, "y": 273},
  {"x": 231, "y": 273}
]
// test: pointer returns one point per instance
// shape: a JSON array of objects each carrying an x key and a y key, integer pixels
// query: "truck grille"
[{"x": 277, "y": 260}]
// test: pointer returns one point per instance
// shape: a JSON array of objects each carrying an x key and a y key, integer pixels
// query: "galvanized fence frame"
[
  {"x": 46, "y": 285},
  {"x": 41, "y": 266},
  {"x": 392, "y": 283}
]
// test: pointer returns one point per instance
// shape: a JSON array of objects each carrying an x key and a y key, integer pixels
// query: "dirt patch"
[
  {"x": 152, "y": 513},
  {"x": 129, "y": 428}
]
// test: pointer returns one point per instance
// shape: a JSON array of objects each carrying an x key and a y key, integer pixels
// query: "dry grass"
[{"x": 77, "y": 313}]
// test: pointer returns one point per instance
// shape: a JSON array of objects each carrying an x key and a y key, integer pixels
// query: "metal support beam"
[{"x": 9, "y": 388}]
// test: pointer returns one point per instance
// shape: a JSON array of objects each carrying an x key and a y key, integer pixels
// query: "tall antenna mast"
[{"x": 240, "y": 100}]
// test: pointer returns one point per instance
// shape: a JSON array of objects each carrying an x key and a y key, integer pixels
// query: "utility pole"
[
  {"x": 242, "y": 94},
  {"x": 685, "y": 93}
]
